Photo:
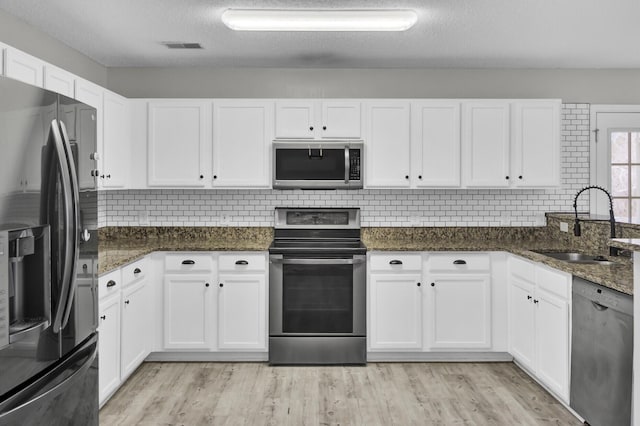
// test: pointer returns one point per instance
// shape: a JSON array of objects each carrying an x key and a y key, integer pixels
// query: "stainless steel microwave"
[{"x": 300, "y": 164}]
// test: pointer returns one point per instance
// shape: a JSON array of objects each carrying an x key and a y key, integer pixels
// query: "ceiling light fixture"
[{"x": 319, "y": 20}]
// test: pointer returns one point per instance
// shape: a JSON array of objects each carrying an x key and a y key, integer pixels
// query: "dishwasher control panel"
[{"x": 603, "y": 296}]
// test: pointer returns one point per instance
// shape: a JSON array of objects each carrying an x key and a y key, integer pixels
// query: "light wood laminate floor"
[{"x": 378, "y": 394}]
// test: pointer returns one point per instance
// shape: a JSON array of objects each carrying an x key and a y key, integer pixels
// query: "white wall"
[
  {"x": 19, "y": 34},
  {"x": 434, "y": 207},
  {"x": 619, "y": 86}
]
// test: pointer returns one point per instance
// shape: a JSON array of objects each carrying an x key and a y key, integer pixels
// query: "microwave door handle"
[
  {"x": 75, "y": 232},
  {"x": 346, "y": 164},
  {"x": 67, "y": 211}
]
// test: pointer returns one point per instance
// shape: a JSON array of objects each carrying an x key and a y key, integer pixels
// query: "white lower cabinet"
[
  {"x": 242, "y": 313},
  {"x": 460, "y": 312},
  {"x": 108, "y": 346},
  {"x": 187, "y": 311},
  {"x": 135, "y": 327},
  {"x": 395, "y": 311},
  {"x": 540, "y": 322}
]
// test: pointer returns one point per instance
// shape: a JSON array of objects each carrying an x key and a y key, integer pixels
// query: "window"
[{"x": 625, "y": 175}]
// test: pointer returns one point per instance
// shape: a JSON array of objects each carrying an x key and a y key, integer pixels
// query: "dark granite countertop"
[{"x": 122, "y": 247}]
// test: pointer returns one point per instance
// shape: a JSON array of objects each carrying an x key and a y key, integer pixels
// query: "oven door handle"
[{"x": 317, "y": 261}]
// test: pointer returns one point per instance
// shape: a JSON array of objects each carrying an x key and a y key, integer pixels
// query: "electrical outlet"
[
  {"x": 564, "y": 227},
  {"x": 224, "y": 220},
  {"x": 143, "y": 218}
]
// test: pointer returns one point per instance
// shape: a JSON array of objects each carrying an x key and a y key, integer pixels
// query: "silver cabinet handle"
[{"x": 317, "y": 261}]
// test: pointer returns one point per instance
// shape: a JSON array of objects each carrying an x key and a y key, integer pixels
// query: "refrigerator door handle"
[
  {"x": 75, "y": 231},
  {"x": 7, "y": 408},
  {"x": 65, "y": 177}
]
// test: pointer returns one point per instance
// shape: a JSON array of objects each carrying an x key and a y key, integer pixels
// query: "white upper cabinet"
[
  {"x": 242, "y": 135},
  {"x": 179, "y": 133},
  {"x": 340, "y": 119},
  {"x": 59, "y": 80},
  {"x": 388, "y": 144},
  {"x": 89, "y": 93},
  {"x": 536, "y": 143},
  {"x": 116, "y": 153},
  {"x": 436, "y": 143},
  {"x": 23, "y": 67},
  {"x": 312, "y": 119},
  {"x": 486, "y": 141}
]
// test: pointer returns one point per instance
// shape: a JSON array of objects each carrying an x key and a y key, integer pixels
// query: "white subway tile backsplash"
[{"x": 380, "y": 207}]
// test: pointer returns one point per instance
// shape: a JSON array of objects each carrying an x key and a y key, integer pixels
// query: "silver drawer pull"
[
  {"x": 241, "y": 262},
  {"x": 459, "y": 262}
]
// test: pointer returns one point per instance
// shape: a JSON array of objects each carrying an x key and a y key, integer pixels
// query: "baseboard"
[
  {"x": 439, "y": 357},
  {"x": 207, "y": 356}
]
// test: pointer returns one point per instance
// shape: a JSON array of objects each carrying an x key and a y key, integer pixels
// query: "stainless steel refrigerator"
[{"x": 48, "y": 258}]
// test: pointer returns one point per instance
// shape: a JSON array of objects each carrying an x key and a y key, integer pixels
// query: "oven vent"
[{"x": 179, "y": 45}]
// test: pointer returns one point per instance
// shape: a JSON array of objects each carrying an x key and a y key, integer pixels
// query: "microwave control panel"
[{"x": 354, "y": 164}]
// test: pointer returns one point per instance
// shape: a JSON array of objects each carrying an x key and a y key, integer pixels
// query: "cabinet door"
[
  {"x": 552, "y": 338},
  {"x": 395, "y": 311},
  {"x": 388, "y": 144},
  {"x": 522, "y": 321},
  {"x": 109, "y": 346},
  {"x": 460, "y": 311},
  {"x": 536, "y": 137},
  {"x": 341, "y": 119},
  {"x": 85, "y": 124},
  {"x": 242, "y": 134},
  {"x": 187, "y": 311},
  {"x": 436, "y": 144},
  {"x": 178, "y": 133},
  {"x": 116, "y": 153},
  {"x": 59, "y": 80},
  {"x": 295, "y": 119},
  {"x": 23, "y": 67},
  {"x": 135, "y": 327},
  {"x": 92, "y": 95},
  {"x": 486, "y": 144},
  {"x": 242, "y": 312}
]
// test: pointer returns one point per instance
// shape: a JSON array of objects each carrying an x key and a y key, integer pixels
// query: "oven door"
[{"x": 317, "y": 296}]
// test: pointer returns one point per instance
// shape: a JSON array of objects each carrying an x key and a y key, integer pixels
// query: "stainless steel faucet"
[{"x": 612, "y": 221}]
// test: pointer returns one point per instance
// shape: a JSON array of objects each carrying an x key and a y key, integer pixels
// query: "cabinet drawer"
[
  {"x": 134, "y": 271},
  {"x": 242, "y": 262},
  {"x": 553, "y": 281},
  {"x": 459, "y": 262},
  {"x": 522, "y": 268},
  {"x": 110, "y": 283},
  {"x": 188, "y": 262},
  {"x": 394, "y": 262}
]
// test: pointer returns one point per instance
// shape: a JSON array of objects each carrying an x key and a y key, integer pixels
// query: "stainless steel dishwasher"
[{"x": 601, "y": 354}]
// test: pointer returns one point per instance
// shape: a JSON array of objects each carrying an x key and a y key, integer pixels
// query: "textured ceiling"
[{"x": 449, "y": 33}]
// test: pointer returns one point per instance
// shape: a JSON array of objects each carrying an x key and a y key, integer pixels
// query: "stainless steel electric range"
[{"x": 317, "y": 287}]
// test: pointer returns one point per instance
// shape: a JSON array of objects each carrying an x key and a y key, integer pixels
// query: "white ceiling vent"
[{"x": 180, "y": 45}]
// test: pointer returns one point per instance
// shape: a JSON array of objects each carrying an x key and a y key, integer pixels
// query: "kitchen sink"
[{"x": 574, "y": 257}]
